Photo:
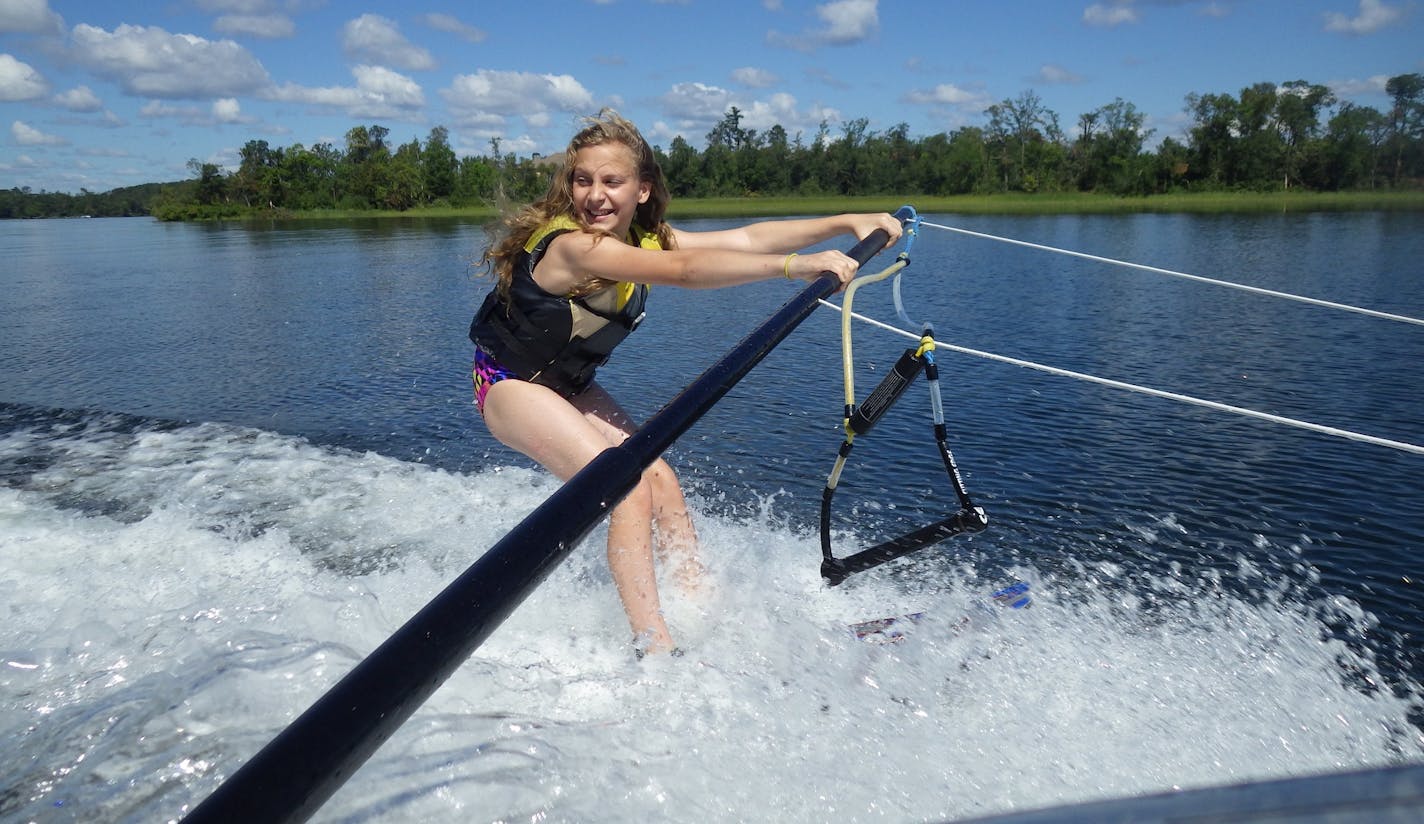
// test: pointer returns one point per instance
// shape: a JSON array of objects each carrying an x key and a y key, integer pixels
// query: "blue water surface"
[{"x": 350, "y": 335}]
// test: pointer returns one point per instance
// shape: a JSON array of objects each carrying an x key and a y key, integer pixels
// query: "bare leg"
[
  {"x": 630, "y": 560},
  {"x": 675, "y": 538},
  {"x": 634, "y": 525},
  {"x": 564, "y": 436}
]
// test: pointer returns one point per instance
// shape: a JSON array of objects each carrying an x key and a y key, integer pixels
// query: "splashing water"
[{"x": 176, "y": 594}]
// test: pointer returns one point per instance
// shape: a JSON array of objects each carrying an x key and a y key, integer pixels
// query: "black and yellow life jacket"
[{"x": 558, "y": 341}]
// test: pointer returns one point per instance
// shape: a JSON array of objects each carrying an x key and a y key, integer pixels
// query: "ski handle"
[
  {"x": 968, "y": 519},
  {"x": 867, "y": 248}
]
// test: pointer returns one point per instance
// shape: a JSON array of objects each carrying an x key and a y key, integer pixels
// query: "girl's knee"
[
  {"x": 660, "y": 475},
  {"x": 639, "y": 500}
]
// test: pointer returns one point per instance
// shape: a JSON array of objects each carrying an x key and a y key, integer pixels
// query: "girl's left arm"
[{"x": 782, "y": 236}]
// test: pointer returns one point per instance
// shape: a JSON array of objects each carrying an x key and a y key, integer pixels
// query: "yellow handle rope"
[
  {"x": 927, "y": 344},
  {"x": 846, "y": 358}
]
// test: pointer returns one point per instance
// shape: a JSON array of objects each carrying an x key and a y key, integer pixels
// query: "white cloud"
[
  {"x": 149, "y": 62},
  {"x": 23, "y": 161},
  {"x": 190, "y": 114},
  {"x": 1373, "y": 16},
  {"x": 103, "y": 151},
  {"x": 1056, "y": 75},
  {"x": 19, "y": 81},
  {"x": 693, "y": 109},
  {"x": 522, "y": 145},
  {"x": 483, "y": 122},
  {"x": 389, "y": 87},
  {"x": 235, "y": 6},
  {"x": 1352, "y": 88},
  {"x": 490, "y": 96},
  {"x": 779, "y": 109},
  {"x": 265, "y": 26},
  {"x": 1110, "y": 14},
  {"x": 372, "y": 38},
  {"x": 692, "y": 103},
  {"x": 227, "y": 110},
  {"x": 754, "y": 78},
  {"x": 29, "y": 17},
  {"x": 950, "y": 102},
  {"x": 845, "y": 22},
  {"x": 379, "y": 92},
  {"x": 948, "y": 94},
  {"x": 79, "y": 99},
  {"x": 452, "y": 25},
  {"x": 104, "y": 120},
  {"x": 26, "y": 135},
  {"x": 848, "y": 21},
  {"x": 224, "y": 111}
]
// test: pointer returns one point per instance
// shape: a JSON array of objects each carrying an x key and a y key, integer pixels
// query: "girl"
[{"x": 573, "y": 272}]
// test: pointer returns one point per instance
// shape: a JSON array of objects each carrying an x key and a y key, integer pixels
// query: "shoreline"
[{"x": 997, "y": 204}]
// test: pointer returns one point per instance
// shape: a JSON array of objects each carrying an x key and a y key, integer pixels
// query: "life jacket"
[{"x": 553, "y": 340}]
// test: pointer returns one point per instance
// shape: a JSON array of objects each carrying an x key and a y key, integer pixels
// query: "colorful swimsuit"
[{"x": 487, "y": 372}]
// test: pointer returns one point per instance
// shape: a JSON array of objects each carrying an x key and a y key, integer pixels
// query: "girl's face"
[{"x": 606, "y": 187}]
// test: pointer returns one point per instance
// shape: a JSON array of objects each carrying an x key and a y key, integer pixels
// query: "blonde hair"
[{"x": 515, "y": 229}]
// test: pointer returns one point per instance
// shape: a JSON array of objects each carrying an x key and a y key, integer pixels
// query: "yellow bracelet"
[{"x": 786, "y": 265}]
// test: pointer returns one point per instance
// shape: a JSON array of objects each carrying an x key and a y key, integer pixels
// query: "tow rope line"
[
  {"x": 1147, "y": 390},
  {"x": 1198, "y": 278}
]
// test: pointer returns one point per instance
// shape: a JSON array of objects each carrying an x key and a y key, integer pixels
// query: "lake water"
[{"x": 234, "y": 459}]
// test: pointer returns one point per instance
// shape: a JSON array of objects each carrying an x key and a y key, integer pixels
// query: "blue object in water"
[{"x": 1015, "y": 597}]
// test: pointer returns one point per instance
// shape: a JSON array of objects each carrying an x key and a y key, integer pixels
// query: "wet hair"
[{"x": 519, "y": 225}]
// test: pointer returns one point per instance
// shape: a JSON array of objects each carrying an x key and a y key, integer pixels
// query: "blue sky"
[{"x": 99, "y": 94}]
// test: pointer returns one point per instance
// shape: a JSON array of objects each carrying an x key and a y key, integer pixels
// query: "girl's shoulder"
[
  {"x": 646, "y": 238},
  {"x": 557, "y": 224}
]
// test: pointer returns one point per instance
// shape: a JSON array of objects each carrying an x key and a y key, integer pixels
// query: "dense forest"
[
  {"x": 130, "y": 201},
  {"x": 1269, "y": 137}
]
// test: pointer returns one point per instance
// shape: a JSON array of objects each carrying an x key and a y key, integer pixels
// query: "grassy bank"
[
  {"x": 1038, "y": 204},
  {"x": 1066, "y": 203}
]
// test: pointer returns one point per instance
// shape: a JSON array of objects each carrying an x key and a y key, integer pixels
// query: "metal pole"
[{"x": 291, "y": 777}]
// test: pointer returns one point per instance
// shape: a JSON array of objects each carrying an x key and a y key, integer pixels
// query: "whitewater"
[{"x": 175, "y": 594}]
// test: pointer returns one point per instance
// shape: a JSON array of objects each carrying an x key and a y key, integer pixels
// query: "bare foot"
[{"x": 654, "y": 643}]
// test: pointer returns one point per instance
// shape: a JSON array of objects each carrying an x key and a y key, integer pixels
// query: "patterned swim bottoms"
[{"x": 487, "y": 372}]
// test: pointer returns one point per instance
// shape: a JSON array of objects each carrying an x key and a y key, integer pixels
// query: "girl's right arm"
[
  {"x": 790, "y": 235},
  {"x": 576, "y": 257}
]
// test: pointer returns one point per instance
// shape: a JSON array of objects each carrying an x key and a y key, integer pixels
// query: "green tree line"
[
  {"x": 1268, "y": 137},
  {"x": 130, "y": 201}
]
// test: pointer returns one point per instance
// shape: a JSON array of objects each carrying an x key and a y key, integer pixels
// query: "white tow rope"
[
  {"x": 1147, "y": 390},
  {"x": 1198, "y": 278}
]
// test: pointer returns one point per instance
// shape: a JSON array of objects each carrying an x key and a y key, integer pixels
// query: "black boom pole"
[{"x": 291, "y": 777}]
